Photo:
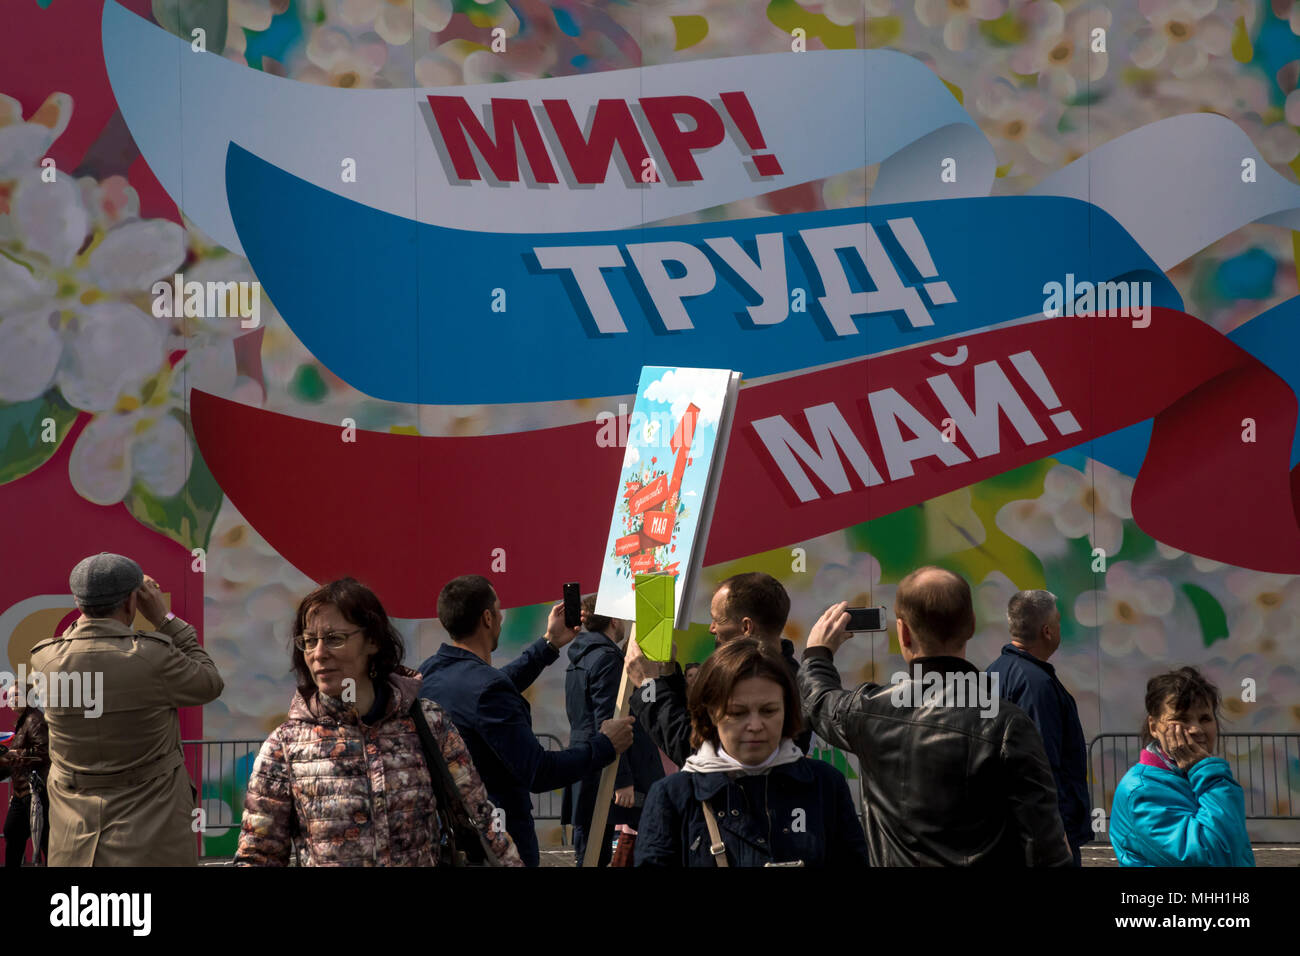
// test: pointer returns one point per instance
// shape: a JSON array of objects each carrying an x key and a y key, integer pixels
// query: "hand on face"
[
  {"x": 1186, "y": 736},
  {"x": 1185, "y": 747}
]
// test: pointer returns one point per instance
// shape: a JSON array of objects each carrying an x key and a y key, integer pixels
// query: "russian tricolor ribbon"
[{"x": 808, "y": 455}]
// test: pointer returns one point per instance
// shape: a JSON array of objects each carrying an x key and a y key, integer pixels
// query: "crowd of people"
[{"x": 377, "y": 763}]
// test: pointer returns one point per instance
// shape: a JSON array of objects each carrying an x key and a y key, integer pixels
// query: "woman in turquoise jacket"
[{"x": 1180, "y": 806}]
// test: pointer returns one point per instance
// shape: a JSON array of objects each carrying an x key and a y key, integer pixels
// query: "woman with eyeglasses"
[{"x": 344, "y": 781}]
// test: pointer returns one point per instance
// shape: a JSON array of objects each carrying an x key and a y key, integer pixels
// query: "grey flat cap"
[{"x": 104, "y": 578}]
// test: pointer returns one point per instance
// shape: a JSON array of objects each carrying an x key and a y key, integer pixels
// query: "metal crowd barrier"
[
  {"x": 547, "y": 806},
  {"x": 221, "y": 769},
  {"x": 1266, "y": 765}
]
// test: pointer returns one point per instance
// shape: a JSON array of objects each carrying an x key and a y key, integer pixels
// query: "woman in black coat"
[
  {"x": 772, "y": 806},
  {"x": 591, "y": 697}
]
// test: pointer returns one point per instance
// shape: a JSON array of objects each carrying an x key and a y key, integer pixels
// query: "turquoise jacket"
[{"x": 1167, "y": 818}]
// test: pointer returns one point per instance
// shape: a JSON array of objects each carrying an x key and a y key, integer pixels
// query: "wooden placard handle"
[{"x": 605, "y": 792}]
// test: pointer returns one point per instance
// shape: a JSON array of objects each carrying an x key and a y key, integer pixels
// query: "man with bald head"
[{"x": 947, "y": 779}]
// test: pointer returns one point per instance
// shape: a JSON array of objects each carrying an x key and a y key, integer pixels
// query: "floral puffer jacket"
[{"x": 344, "y": 793}]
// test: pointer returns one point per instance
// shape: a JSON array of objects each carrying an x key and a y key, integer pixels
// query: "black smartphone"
[
  {"x": 572, "y": 605},
  {"x": 866, "y": 619}
]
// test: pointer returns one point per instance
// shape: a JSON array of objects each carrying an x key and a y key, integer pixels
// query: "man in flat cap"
[{"x": 119, "y": 791}]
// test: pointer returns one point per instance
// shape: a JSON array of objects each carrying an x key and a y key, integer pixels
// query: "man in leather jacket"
[{"x": 947, "y": 781}]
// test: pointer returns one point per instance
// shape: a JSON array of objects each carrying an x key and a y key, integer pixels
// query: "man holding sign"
[
  {"x": 591, "y": 687},
  {"x": 745, "y": 605}
]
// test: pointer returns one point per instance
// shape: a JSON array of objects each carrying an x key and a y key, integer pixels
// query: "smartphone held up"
[
  {"x": 572, "y": 605},
  {"x": 866, "y": 619}
]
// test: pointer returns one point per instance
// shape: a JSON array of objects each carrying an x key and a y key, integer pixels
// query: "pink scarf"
[{"x": 1153, "y": 756}]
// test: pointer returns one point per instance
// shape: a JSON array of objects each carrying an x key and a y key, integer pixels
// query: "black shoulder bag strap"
[{"x": 464, "y": 844}]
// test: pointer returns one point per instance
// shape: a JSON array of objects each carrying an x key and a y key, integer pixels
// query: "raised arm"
[
  {"x": 826, "y": 704},
  {"x": 526, "y": 668},
  {"x": 660, "y": 707},
  {"x": 505, "y": 726},
  {"x": 186, "y": 675}
]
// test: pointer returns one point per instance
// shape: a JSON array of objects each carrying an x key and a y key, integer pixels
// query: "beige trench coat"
[{"x": 118, "y": 788}]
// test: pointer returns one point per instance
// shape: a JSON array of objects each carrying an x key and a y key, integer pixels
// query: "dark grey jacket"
[{"x": 800, "y": 811}]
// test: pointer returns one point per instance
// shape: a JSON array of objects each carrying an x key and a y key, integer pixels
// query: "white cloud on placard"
[
  {"x": 632, "y": 456},
  {"x": 680, "y": 387}
]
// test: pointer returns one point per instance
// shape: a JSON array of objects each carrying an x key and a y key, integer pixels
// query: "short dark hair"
[
  {"x": 596, "y": 623},
  {"x": 722, "y": 671},
  {"x": 940, "y": 612},
  {"x": 360, "y": 606},
  {"x": 693, "y": 665},
  {"x": 103, "y": 610},
  {"x": 759, "y": 597},
  {"x": 461, "y": 604},
  {"x": 1182, "y": 689}
]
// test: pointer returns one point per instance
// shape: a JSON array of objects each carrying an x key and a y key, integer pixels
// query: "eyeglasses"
[{"x": 333, "y": 640}]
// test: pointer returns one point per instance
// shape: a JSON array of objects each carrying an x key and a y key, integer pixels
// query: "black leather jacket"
[{"x": 943, "y": 785}]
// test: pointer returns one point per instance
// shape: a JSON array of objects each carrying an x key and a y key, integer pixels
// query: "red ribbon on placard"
[
  {"x": 649, "y": 496},
  {"x": 628, "y": 544},
  {"x": 413, "y": 512},
  {"x": 658, "y": 527}
]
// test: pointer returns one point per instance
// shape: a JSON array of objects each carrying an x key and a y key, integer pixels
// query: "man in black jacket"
[
  {"x": 952, "y": 776},
  {"x": 745, "y": 605}
]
